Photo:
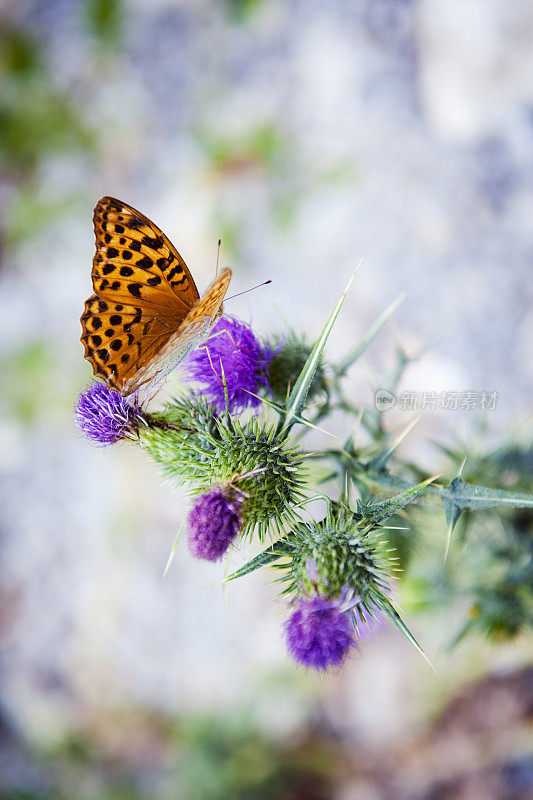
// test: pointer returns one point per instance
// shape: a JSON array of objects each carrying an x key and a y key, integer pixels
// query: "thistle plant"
[
  {"x": 105, "y": 417},
  {"x": 236, "y": 438}
]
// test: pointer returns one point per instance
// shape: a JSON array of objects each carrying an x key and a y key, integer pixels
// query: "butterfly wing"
[
  {"x": 164, "y": 357},
  {"x": 159, "y": 361},
  {"x": 120, "y": 339},
  {"x": 143, "y": 293},
  {"x": 136, "y": 263},
  {"x": 210, "y": 305},
  {"x": 146, "y": 314}
]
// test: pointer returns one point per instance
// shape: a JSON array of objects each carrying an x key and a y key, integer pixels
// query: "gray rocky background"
[{"x": 309, "y": 135}]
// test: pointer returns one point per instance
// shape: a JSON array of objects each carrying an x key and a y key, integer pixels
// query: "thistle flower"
[
  {"x": 320, "y": 632},
  {"x": 214, "y": 522},
  {"x": 339, "y": 579},
  {"x": 105, "y": 416},
  {"x": 234, "y": 355}
]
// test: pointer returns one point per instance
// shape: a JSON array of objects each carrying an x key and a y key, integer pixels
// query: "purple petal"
[
  {"x": 105, "y": 416},
  {"x": 318, "y": 633},
  {"x": 234, "y": 352},
  {"x": 214, "y": 521}
]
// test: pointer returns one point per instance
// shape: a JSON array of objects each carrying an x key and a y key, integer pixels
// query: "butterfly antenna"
[
  {"x": 218, "y": 256},
  {"x": 233, "y": 296}
]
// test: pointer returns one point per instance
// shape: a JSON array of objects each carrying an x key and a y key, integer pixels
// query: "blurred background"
[{"x": 307, "y": 135}]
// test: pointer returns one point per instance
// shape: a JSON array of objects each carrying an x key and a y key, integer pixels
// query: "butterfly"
[{"x": 146, "y": 314}]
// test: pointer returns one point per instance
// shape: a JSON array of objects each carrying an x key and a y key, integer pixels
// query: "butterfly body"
[{"x": 146, "y": 314}]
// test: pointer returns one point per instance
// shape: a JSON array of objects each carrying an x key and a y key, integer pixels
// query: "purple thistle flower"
[
  {"x": 105, "y": 416},
  {"x": 232, "y": 350},
  {"x": 319, "y": 633},
  {"x": 213, "y": 523}
]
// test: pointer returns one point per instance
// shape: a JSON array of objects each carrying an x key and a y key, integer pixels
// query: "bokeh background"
[{"x": 307, "y": 135}]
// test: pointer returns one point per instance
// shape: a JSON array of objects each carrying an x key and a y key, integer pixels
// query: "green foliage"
[
  {"x": 31, "y": 212},
  {"x": 460, "y": 496},
  {"x": 105, "y": 19},
  {"x": 261, "y": 145},
  {"x": 302, "y": 385},
  {"x": 27, "y": 387},
  {"x": 377, "y": 512},
  {"x": 231, "y": 758},
  {"x": 38, "y": 120},
  {"x": 352, "y": 355},
  {"x": 205, "y": 757},
  {"x": 240, "y": 10},
  {"x": 20, "y": 53}
]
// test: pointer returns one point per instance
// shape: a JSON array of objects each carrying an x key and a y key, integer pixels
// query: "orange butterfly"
[{"x": 145, "y": 315}]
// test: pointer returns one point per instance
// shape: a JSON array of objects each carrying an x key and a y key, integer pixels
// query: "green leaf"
[
  {"x": 461, "y": 496},
  {"x": 352, "y": 356},
  {"x": 270, "y": 554},
  {"x": 386, "y": 508},
  {"x": 296, "y": 399}
]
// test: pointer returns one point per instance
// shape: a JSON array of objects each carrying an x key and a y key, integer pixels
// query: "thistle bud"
[
  {"x": 290, "y": 355},
  {"x": 345, "y": 553}
]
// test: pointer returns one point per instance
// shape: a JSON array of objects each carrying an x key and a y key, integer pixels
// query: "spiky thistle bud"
[
  {"x": 289, "y": 356},
  {"x": 340, "y": 553},
  {"x": 266, "y": 470},
  {"x": 184, "y": 441},
  {"x": 340, "y": 579},
  {"x": 206, "y": 450}
]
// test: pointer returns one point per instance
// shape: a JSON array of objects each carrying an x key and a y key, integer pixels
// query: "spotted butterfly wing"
[{"x": 145, "y": 314}]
